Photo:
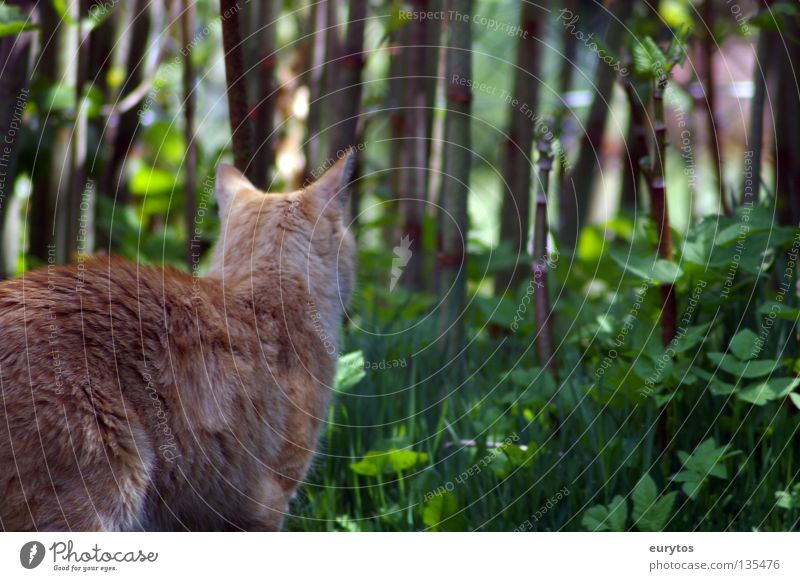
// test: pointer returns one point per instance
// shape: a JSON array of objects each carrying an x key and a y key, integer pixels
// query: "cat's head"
[{"x": 300, "y": 236}]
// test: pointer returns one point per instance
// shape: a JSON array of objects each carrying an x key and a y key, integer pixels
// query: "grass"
[{"x": 436, "y": 465}]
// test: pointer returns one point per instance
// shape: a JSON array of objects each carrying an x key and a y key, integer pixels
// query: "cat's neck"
[{"x": 314, "y": 294}]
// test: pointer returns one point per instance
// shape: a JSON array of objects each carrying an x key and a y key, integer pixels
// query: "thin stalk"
[
  {"x": 266, "y": 91},
  {"x": 515, "y": 207},
  {"x": 539, "y": 264},
  {"x": 455, "y": 187},
  {"x": 416, "y": 142},
  {"x": 660, "y": 209},
  {"x": 187, "y": 29},
  {"x": 710, "y": 100},
  {"x": 660, "y": 214},
  {"x": 236, "y": 88},
  {"x": 81, "y": 203},
  {"x": 14, "y": 94},
  {"x": 636, "y": 145},
  {"x": 755, "y": 138},
  {"x": 350, "y": 66}
]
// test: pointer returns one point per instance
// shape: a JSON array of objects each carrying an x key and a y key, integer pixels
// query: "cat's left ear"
[
  {"x": 332, "y": 186},
  {"x": 230, "y": 181}
]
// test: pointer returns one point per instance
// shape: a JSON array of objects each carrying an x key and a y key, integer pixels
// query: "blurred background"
[{"x": 577, "y": 221}]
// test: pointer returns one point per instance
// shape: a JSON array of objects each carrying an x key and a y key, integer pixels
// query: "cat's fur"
[{"x": 143, "y": 398}]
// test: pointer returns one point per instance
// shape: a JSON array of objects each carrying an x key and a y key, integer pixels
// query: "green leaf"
[
  {"x": 795, "y": 399},
  {"x": 648, "y": 58},
  {"x": 745, "y": 345},
  {"x": 706, "y": 460},
  {"x": 606, "y": 518},
  {"x": 692, "y": 337},
  {"x": 349, "y": 371},
  {"x": 13, "y": 20},
  {"x": 780, "y": 310},
  {"x": 439, "y": 511},
  {"x": 660, "y": 270},
  {"x": 744, "y": 369},
  {"x": 770, "y": 390},
  {"x": 789, "y": 498},
  {"x": 396, "y": 460},
  {"x": 650, "y": 513}
]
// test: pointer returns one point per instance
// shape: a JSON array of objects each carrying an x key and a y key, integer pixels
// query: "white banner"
[{"x": 401, "y": 556}]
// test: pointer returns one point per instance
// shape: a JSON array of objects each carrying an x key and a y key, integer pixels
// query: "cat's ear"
[
  {"x": 230, "y": 181},
  {"x": 332, "y": 186}
]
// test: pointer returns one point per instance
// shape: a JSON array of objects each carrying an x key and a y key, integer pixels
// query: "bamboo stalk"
[
  {"x": 187, "y": 29},
  {"x": 123, "y": 120},
  {"x": 350, "y": 65},
  {"x": 575, "y": 203},
  {"x": 755, "y": 138},
  {"x": 455, "y": 187},
  {"x": 710, "y": 100},
  {"x": 539, "y": 264},
  {"x": 415, "y": 140},
  {"x": 236, "y": 88},
  {"x": 80, "y": 206},
  {"x": 14, "y": 94},
  {"x": 636, "y": 143},
  {"x": 517, "y": 162},
  {"x": 660, "y": 209},
  {"x": 266, "y": 92}
]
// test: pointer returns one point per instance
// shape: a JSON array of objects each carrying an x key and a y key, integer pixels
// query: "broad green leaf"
[
  {"x": 439, "y": 511},
  {"x": 706, "y": 460},
  {"x": 780, "y": 310},
  {"x": 153, "y": 181},
  {"x": 393, "y": 461},
  {"x": 349, "y": 371},
  {"x": 744, "y": 369},
  {"x": 643, "y": 496},
  {"x": 769, "y": 390},
  {"x": 788, "y": 499},
  {"x": 649, "y": 512},
  {"x": 595, "y": 519},
  {"x": 795, "y": 399},
  {"x": 617, "y": 514},
  {"x": 607, "y": 518},
  {"x": 661, "y": 271},
  {"x": 692, "y": 337},
  {"x": 745, "y": 345}
]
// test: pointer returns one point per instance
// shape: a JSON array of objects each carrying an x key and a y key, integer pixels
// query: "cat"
[{"x": 140, "y": 398}]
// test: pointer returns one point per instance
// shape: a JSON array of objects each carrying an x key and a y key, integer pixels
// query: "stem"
[
  {"x": 266, "y": 90},
  {"x": 80, "y": 226},
  {"x": 455, "y": 187},
  {"x": 515, "y": 209},
  {"x": 756, "y": 137},
  {"x": 539, "y": 265},
  {"x": 637, "y": 144},
  {"x": 660, "y": 209},
  {"x": 415, "y": 141},
  {"x": 236, "y": 88},
  {"x": 14, "y": 93},
  {"x": 187, "y": 29},
  {"x": 575, "y": 203},
  {"x": 710, "y": 92},
  {"x": 349, "y": 67}
]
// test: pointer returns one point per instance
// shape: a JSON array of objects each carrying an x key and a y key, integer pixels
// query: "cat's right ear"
[{"x": 230, "y": 181}]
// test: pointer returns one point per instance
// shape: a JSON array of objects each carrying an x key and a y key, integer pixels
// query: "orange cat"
[{"x": 140, "y": 398}]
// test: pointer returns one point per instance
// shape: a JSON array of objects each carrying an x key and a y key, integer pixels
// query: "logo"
[
  {"x": 402, "y": 255},
  {"x": 31, "y": 555}
]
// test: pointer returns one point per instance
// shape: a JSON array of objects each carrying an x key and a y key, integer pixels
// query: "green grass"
[{"x": 581, "y": 446}]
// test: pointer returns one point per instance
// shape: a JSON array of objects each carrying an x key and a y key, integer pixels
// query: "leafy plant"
[{"x": 706, "y": 460}]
